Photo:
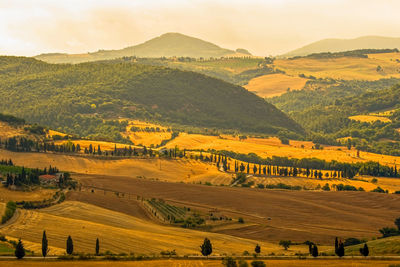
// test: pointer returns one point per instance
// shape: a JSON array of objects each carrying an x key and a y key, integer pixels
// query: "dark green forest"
[
  {"x": 86, "y": 99},
  {"x": 325, "y": 113}
]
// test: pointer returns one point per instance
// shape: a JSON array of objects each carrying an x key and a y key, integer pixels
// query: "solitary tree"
[
  {"x": 285, "y": 244},
  {"x": 257, "y": 249},
  {"x": 315, "y": 251},
  {"x": 97, "y": 246},
  {"x": 45, "y": 247},
  {"x": 365, "y": 250},
  {"x": 70, "y": 245},
  {"x": 19, "y": 250},
  {"x": 336, "y": 245},
  {"x": 206, "y": 247}
]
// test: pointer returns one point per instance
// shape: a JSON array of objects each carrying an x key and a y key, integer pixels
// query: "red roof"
[{"x": 47, "y": 176}]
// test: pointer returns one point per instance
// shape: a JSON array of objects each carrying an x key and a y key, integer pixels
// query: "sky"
[{"x": 264, "y": 27}]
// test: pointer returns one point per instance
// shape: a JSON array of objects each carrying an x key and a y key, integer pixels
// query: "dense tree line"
[{"x": 292, "y": 166}]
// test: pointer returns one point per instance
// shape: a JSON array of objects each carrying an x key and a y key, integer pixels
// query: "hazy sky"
[{"x": 269, "y": 27}]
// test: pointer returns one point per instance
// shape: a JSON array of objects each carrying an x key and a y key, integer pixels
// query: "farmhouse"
[{"x": 50, "y": 178}]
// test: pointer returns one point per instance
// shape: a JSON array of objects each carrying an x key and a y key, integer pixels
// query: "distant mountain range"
[
  {"x": 166, "y": 45},
  {"x": 340, "y": 45}
]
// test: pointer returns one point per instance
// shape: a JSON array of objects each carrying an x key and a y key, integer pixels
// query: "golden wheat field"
[
  {"x": 210, "y": 263},
  {"x": 118, "y": 233},
  {"x": 17, "y": 195},
  {"x": 7, "y": 131},
  {"x": 143, "y": 136},
  {"x": 347, "y": 68},
  {"x": 185, "y": 170},
  {"x": 274, "y": 84},
  {"x": 369, "y": 118},
  {"x": 267, "y": 147}
]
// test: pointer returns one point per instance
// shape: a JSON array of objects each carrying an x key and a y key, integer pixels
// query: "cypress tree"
[
  {"x": 336, "y": 245},
  {"x": 45, "y": 247},
  {"x": 365, "y": 250},
  {"x": 97, "y": 247},
  {"x": 257, "y": 249},
  {"x": 340, "y": 250},
  {"x": 206, "y": 247},
  {"x": 70, "y": 245},
  {"x": 315, "y": 251},
  {"x": 19, "y": 250}
]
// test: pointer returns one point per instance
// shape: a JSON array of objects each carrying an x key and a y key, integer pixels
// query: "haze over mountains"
[
  {"x": 340, "y": 45},
  {"x": 166, "y": 45}
]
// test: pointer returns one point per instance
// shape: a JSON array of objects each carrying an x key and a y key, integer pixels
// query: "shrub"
[
  {"x": 285, "y": 244},
  {"x": 240, "y": 220},
  {"x": 229, "y": 262},
  {"x": 258, "y": 264}
]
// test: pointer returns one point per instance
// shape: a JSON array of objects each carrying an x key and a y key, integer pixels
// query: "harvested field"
[
  {"x": 346, "y": 68},
  {"x": 15, "y": 195},
  {"x": 295, "y": 215},
  {"x": 185, "y": 170},
  {"x": 369, "y": 118},
  {"x": 7, "y": 131},
  {"x": 274, "y": 84},
  {"x": 117, "y": 232},
  {"x": 143, "y": 134}
]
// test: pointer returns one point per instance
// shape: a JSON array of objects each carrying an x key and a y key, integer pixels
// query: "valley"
[{"x": 180, "y": 152}]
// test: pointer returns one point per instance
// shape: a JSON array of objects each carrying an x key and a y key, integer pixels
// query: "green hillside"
[
  {"x": 76, "y": 98},
  {"x": 166, "y": 45},
  {"x": 383, "y": 246},
  {"x": 340, "y": 45}
]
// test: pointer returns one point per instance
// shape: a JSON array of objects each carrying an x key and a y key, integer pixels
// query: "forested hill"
[
  {"x": 327, "y": 113},
  {"x": 166, "y": 45},
  {"x": 75, "y": 98}
]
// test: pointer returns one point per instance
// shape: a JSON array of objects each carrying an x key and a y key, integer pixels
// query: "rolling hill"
[
  {"x": 338, "y": 45},
  {"x": 166, "y": 45},
  {"x": 77, "y": 98}
]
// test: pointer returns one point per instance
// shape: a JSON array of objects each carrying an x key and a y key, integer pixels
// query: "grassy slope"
[
  {"x": 384, "y": 246},
  {"x": 67, "y": 96}
]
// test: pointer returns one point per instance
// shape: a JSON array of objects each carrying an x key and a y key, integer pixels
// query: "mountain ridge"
[
  {"x": 341, "y": 45},
  {"x": 166, "y": 45}
]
